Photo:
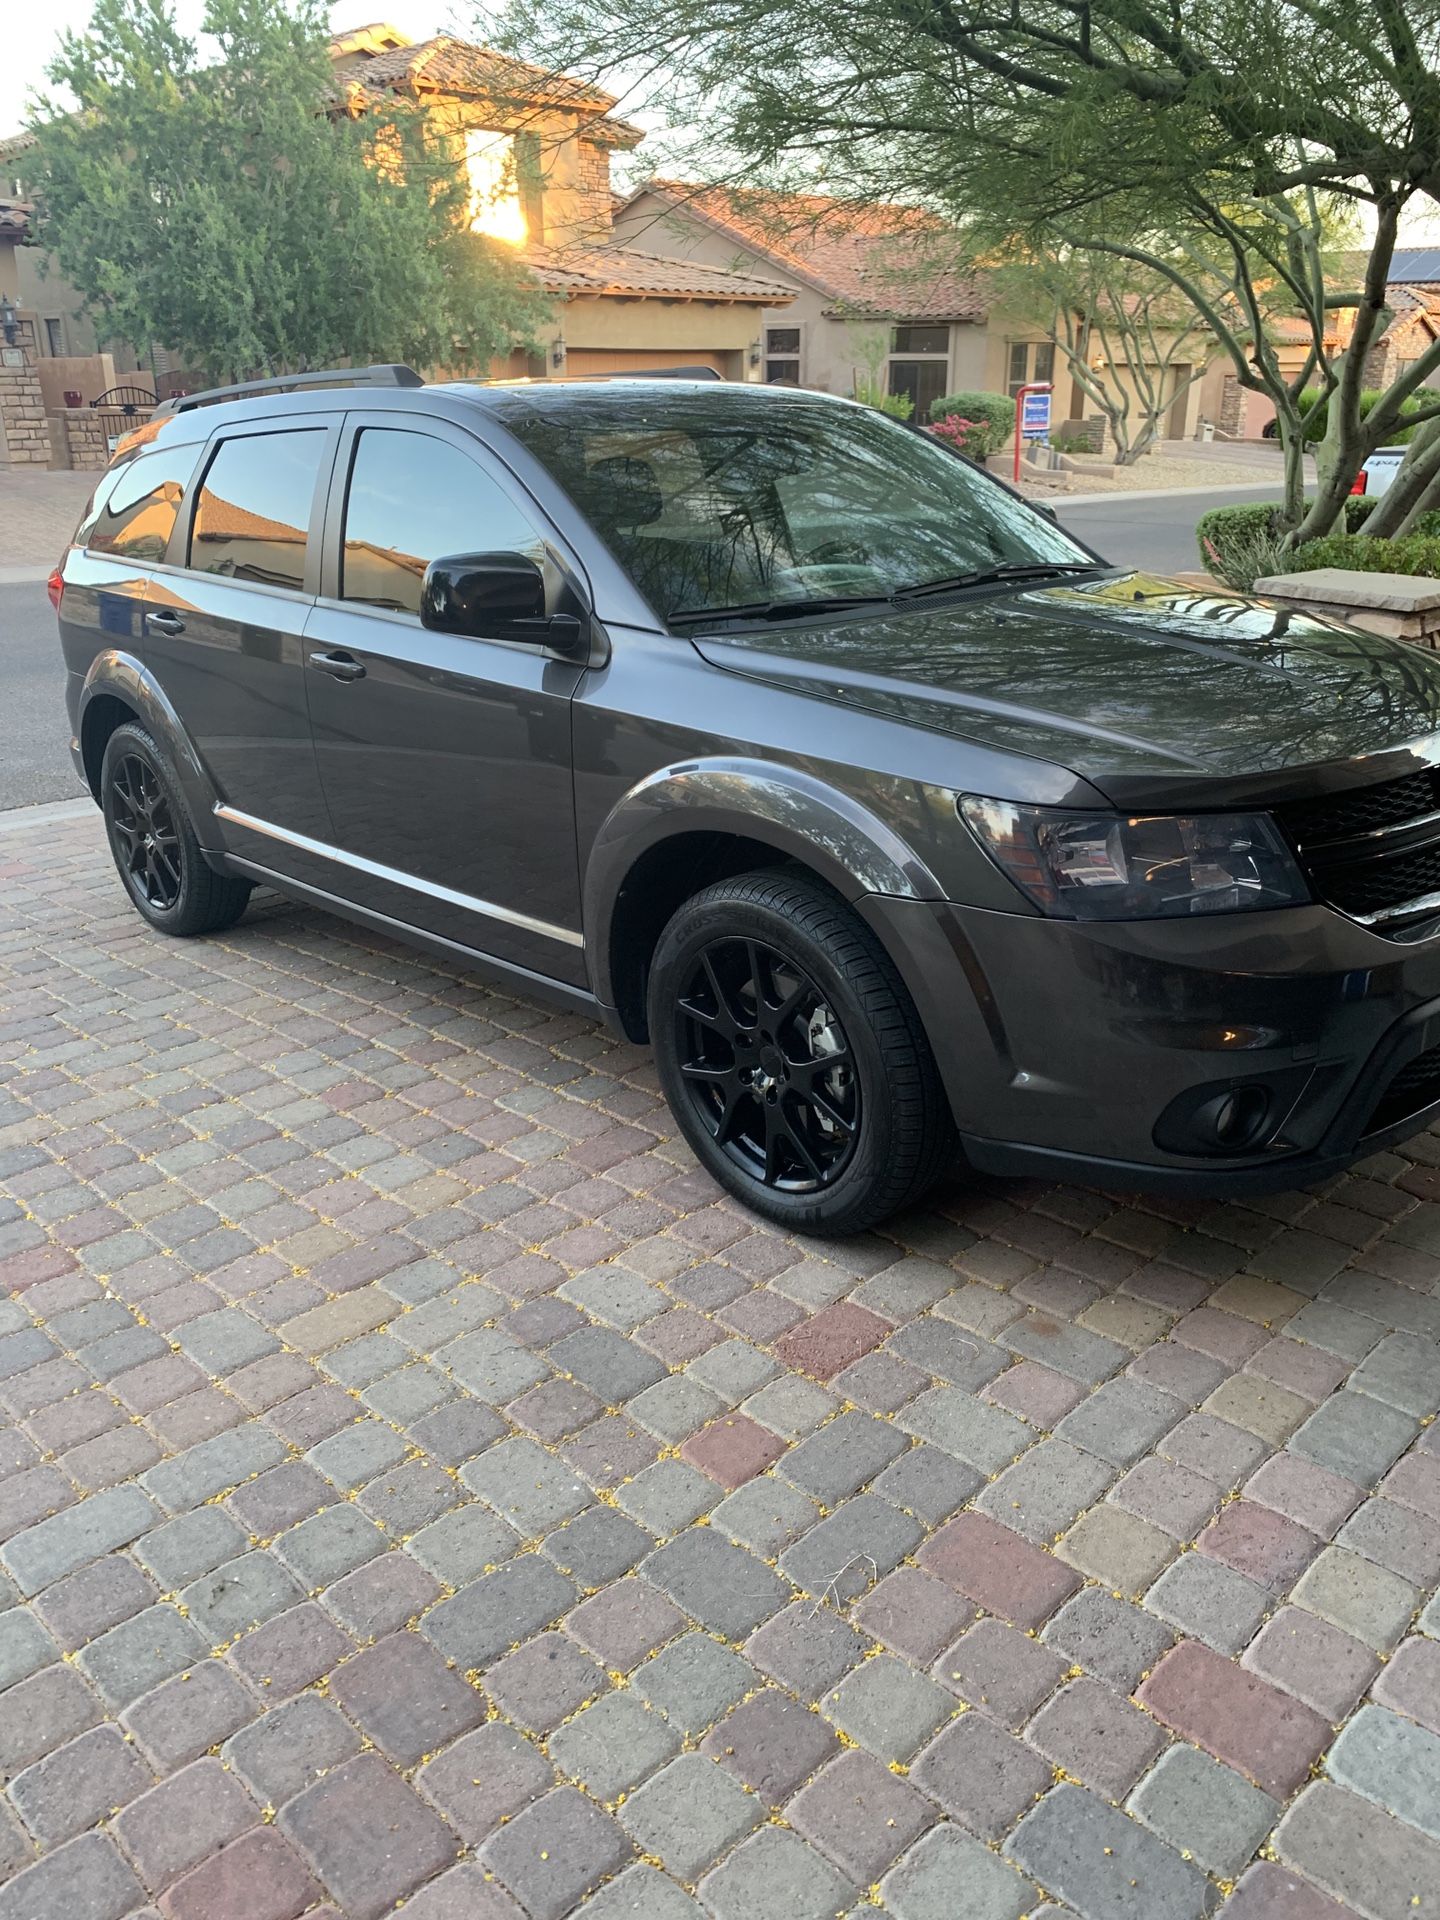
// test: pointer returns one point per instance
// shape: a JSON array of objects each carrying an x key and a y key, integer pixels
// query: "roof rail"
[{"x": 386, "y": 375}]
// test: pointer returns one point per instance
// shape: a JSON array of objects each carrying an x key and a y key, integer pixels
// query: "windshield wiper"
[
  {"x": 778, "y": 609},
  {"x": 987, "y": 576}
]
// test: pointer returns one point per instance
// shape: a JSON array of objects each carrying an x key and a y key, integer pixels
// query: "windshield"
[{"x": 737, "y": 497}]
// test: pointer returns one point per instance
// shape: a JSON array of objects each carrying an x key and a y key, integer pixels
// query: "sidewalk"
[
  {"x": 417, "y": 1484},
  {"x": 38, "y": 514}
]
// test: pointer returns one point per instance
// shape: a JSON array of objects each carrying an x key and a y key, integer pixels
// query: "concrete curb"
[
  {"x": 47, "y": 813},
  {"x": 1062, "y": 500}
]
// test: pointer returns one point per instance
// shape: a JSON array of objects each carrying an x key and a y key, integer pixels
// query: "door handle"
[
  {"x": 339, "y": 666},
  {"x": 166, "y": 622}
]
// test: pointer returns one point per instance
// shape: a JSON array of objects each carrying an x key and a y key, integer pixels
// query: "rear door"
[
  {"x": 445, "y": 760},
  {"x": 225, "y": 621}
]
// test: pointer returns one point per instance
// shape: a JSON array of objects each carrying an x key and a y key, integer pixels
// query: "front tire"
[
  {"x": 792, "y": 1056},
  {"x": 153, "y": 843}
]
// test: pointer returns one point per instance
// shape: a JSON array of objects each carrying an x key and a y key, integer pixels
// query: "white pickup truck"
[{"x": 1379, "y": 471}]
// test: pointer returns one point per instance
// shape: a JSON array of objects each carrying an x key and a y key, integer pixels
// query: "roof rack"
[{"x": 389, "y": 374}]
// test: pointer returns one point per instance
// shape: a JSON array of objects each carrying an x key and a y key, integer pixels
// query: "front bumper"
[{"x": 1066, "y": 1047}]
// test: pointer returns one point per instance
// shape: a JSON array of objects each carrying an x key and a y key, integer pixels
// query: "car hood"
[{"x": 1133, "y": 682}]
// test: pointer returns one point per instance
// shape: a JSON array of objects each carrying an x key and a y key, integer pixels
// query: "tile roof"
[
  {"x": 622, "y": 270},
  {"x": 887, "y": 261},
  {"x": 447, "y": 65},
  {"x": 15, "y": 221}
]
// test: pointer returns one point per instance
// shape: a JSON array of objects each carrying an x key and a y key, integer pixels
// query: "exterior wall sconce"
[
  {"x": 754, "y": 354},
  {"x": 9, "y": 320},
  {"x": 557, "y": 356}
]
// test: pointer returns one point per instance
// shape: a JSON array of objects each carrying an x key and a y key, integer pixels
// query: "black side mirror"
[{"x": 496, "y": 596}]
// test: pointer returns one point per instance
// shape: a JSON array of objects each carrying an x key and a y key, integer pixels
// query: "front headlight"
[{"x": 1107, "y": 866}]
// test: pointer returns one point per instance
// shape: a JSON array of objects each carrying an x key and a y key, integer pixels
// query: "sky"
[{"x": 31, "y": 33}]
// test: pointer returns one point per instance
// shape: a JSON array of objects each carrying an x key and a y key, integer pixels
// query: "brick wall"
[
  {"x": 81, "y": 435},
  {"x": 24, "y": 434}
]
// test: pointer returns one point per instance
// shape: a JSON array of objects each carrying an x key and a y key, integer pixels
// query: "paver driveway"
[{"x": 419, "y": 1485}]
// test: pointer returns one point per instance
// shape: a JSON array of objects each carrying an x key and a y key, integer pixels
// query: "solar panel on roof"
[{"x": 1415, "y": 266}]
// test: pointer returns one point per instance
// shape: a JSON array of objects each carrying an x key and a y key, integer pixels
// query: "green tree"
[
  {"x": 1108, "y": 126},
  {"x": 245, "y": 215}
]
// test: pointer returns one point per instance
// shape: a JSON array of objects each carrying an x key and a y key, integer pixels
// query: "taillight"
[
  {"x": 1362, "y": 480},
  {"x": 55, "y": 587}
]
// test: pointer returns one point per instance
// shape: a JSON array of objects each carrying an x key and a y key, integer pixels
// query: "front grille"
[
  {"x": 1373, "y": 852},
  {"x": 1410, "y": 1091}
]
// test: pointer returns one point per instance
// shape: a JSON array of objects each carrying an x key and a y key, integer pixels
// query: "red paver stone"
[
  {"x": 832, "y": 1339},
  {"x": 258, "y": 1877},
  {"x": 1235, "y": 1715},
  {"x": 733, "y": 1449},
  {"x": 1273, "y": 1892},
  {"x": 183, "y": 1821},
  {"x": 1034, "y": 1392},
  {"x": 370, "y": 1835},
  {"x": 1260, "y": 1543},
  {"x": 998, "y": 1570}
]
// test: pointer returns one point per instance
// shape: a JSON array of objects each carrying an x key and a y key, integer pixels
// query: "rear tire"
[
  {"x": 153, "y": 842},
  {"x": 793, "y": 1058}
]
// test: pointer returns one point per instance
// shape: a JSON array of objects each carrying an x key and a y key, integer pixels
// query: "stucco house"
[
  {"x": 870, "y": 297},
  {"x": 536, "y": 149}
]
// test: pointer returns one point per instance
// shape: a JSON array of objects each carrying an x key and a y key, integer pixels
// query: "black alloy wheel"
[
  {"x": 792, "y": 1056},
  {"x": 148, "y": 849},
  {"x": 767, "y": 1066},
  {"x": 153, "y": 841}
]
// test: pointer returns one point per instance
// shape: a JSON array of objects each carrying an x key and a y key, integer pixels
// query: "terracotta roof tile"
[
  {"x": 887, "y": 260},
  {"x": 447, "y": 65},
  {"x": 622, "y": 270}
]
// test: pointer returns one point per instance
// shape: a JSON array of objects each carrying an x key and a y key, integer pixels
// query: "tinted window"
[
  {"x": 253, "y": 513},
  {"x": 733, "y": 495},
  {"x": 134, "y": 506},
  {"x": 411, "y": 499}
]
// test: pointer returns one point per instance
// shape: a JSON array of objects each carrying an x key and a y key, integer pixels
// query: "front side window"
[
  {"x": 738, "y": 496},
  {"x": 411, "y": 499},
  {"x": 133, "y": 509},
  {"x": 252, "y": 519}
]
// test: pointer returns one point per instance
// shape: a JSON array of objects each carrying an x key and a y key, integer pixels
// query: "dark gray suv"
[{"x": 767, "y": 727}]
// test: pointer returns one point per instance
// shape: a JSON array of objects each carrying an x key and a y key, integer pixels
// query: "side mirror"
[
  {"x": 1044, "y": 506},
  {"x": 496, "y": 596}
]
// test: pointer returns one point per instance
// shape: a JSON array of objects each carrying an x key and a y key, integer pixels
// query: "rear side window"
[
  {"x": 134, "y": 508},
  {"x": 411, "y": 499},
  {"x": 252, "y": 516}
]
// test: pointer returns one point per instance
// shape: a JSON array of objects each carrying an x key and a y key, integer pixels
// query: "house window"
[
  {"x": 782, "y": 356},
  {"x": 923, "y": 379},
  {"x": 1030, "y": 360},
  {"x": 495, "y": 207},
  {"x": 921, "y": 340},
  {"x": 54, "y": 337}
]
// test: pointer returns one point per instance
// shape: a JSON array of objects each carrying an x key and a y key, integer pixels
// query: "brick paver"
[{"x": 418, "y": 1485}]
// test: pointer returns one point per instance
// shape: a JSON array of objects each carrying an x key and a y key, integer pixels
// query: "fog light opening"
[{"x": 1235, "y": 1120}]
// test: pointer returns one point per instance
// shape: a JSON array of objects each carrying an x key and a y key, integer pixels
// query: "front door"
[
  {"x": 224, "y": 624},
  {"x": 445, "y": 760}
]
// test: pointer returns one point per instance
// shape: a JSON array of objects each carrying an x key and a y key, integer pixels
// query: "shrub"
[
  {"x": 1312, "y": 412},
  {"x": 1234, "y": 540},
  {"x": 1077, "y": 437},
  {"x": 900, "y": 405},
  {"x": 1416, "y": 553},
  {"x": 970, "y": 437},
  {"x": 993, "y": 413}
]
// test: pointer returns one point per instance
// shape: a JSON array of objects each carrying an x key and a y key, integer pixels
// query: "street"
[
  {"x": 34, "y": 733},
  {"x": 1151, "y": 530}
]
